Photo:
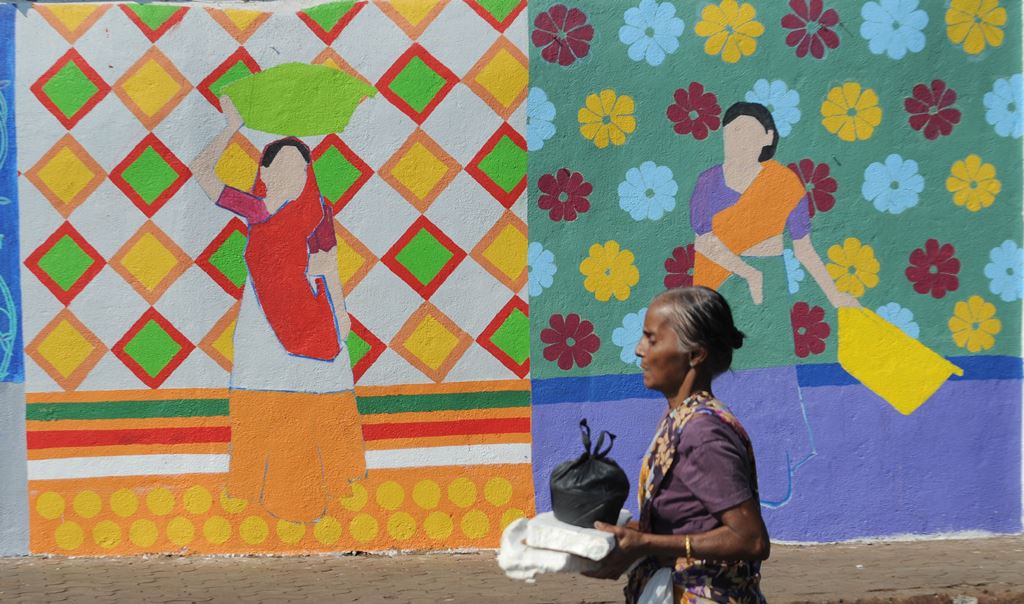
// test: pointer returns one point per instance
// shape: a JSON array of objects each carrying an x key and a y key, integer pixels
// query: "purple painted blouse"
[
  {"x": 711, "y": 195},
  {"x": 254, "y": 211},
  {"x": 711, "y": 475}
]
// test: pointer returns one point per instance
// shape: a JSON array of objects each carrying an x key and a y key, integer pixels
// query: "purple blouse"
[
  {"x": 254, "y": 211},
  {"x": 711, "y": 195},
  {"x": 711, "y": 475}
]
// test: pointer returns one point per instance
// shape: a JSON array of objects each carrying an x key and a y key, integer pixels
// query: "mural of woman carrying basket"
[{"x": 296, "y": 438}]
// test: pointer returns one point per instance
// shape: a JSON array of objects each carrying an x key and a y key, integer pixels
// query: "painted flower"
[
  {"x": 973, "y": 183},
  {"x": 570, "y": 341},
  {"x": 931, "y": 109},
  {"x": 608, "y": 271},
  {"x": 540, "y": 119},
  {"x": 1004, "y": 106},
  {"x": 851, "y": 112},
  {"x": 975, "y": 24},
  {"x": 651, "y": 31},
  {"x": 607, "y": 117},
  {"x": 1006, "y": 271},
  {"x": 794, "y": 272},
  {"x": 628, "y": 336},
  {"x": 540, "y": 263},
  {"x": 811, "y": 28},
  {"x": 648, "y": 192},
  {"x": 679, "y": 267},
  {"x": 820, "y": 185},
  {"x": 564, "y": 194},
  {"x": 730, "y": 29},
  {"x": 809, "y": 329},
  {"x": 974, "y": 324},
  {"x": 694, "y": 111},
  {"x": 853, "y": 266},
  {"x": 562, "y": 34},
  {"x": 893, "y": 186},
  {"x": 780, "y": 100},
  {"x": 934, "y": 268},
  {"x": 900, "y": 317},
  {"x": 893, "y": 27}
]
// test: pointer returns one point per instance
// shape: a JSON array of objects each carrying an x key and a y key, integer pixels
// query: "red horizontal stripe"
[
  {"x": 49, "y": 439},
  {"x": 453, "y": 428}
]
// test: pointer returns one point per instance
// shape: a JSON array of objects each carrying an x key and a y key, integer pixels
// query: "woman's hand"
[
  {"x": 631, "y": 545},
  {"x": 324, "y": 262},
  {"x": 840, "y": 299},
  {"x": 231, "y": 114}
]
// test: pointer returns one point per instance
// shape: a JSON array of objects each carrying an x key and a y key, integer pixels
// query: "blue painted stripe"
[{"x": 12, "y": 367}]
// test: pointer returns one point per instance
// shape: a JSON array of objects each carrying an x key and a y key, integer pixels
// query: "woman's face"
[
  {"x": 663, "y": 360},
  {"x": 744, "y": 138},
  {"x": 285, "y": 177}
]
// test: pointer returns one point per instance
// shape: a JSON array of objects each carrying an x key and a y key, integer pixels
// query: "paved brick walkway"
[{"x": 990, "y": 570}]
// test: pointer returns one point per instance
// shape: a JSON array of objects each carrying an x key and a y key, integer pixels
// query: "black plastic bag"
[{"x": 590, "y": 488}]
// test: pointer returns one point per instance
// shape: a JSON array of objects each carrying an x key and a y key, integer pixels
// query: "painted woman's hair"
[
  {"x": 760, "y": 113},
  {"x": 271, "y": 150},
  {"x": 702, "y": 319}
]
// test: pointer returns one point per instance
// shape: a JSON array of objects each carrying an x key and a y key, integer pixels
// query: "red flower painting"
[
  {"x": 821, "y": 187},
  {"x": 810, "y": 28},
  {"x": 931, "y": 109},
  {"x": 679, "y": 267},
  {"x": 934, "y": 268},
  {"x": 562, "y": 34},
  {"x": 570, "y": 341},
  {"x": 564, "y": 195},
  {"x": 809, "y": 329},
  {"x": 694, "y": 111}
]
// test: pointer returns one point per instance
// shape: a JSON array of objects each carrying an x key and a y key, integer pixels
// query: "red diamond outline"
[
  {"x": 365, "y": 171},
  {"x": 328, "y": 37},
  {"x": 154, "y": 34},
  {"x": 484, "y": 339},
  {"x": 203, "y": 261},
  {"x": 390, "y": 259},
  {"x": 155, "y": 381},
  {"x": 71, "y": 56},
  {"x": 32, "y": 263},
  {"x": 507, "y": 199},
  {"x": 239, "y": 55},
  {"x": 183, "y": 172},
  {"x": 377, "y": 348},
  {"x": 498, "y": 25},
  {"x": 415, "y": 50}
]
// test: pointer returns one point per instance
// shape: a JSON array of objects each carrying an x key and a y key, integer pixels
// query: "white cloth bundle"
[{"x": 544, "y": 544}]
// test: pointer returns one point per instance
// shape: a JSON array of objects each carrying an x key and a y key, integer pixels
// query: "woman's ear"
[{"x": 698, "y": 356}]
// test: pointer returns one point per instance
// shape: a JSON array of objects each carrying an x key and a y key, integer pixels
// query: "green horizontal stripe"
[
  {"x": 442, "y": 402},
  {"x": 128, "y": 409}
]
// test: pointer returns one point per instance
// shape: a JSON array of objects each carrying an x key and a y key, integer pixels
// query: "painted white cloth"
[
  {"x": 523, "y": 561},
  {"x": 262, "y": 363}
]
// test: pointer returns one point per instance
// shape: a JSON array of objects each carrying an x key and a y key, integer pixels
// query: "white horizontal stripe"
[{"x": 154, "y": 465}]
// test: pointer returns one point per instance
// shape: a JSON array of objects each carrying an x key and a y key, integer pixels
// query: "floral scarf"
[{"x": 702, "y": 580}]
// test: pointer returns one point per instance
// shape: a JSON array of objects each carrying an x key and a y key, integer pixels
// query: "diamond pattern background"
[{"x": 134, "y": 276}]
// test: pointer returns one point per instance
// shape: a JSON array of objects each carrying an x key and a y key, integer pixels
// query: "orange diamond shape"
[
  {"x": 66, "y": 175},
  {"x": 502, "y": 251},
  {"x": 500, "y": 77},
  {"x": 431, "y": 342},
  {"x": 413, "y": 16},
  {"x": 219, "y": 343},
  {"x": 420, "y": 170},
  {"x": 152, "y": 88},
  {"x": 66, "y": 350},
  {"x": 150, "y": 262},
  {"x": 330, "y": 58},
  {"x": 71, "y": 20},
  {"x": 354, "y": 259},
  {"x": 240, "y": 24}
]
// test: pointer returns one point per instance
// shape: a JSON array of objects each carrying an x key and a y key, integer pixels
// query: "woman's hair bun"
[{"x": 737, "y": 339}]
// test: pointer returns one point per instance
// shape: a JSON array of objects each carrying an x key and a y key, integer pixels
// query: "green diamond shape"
[
  {"x": 357, "y": 348},
  {"x": 152, "y": 348},
  {"x": 513, "y": 337},
  {"x": 328, "y": 15},
  {"x": 229, "y": 259},
  {"x": 335, "y": 174},
  {"x": 505, "y": 164},
  {"x": 236, "y": 72},
  {"x": 499, "y": 9},
  {"x": 153, "y": 15},
  {"x": 149, "y": 175},
  {"x": 417, "y": 84},
  {"x": 66, "y": 262},
  {"x": 70, "y": 89},
  {"x": 424, "y": 256}
]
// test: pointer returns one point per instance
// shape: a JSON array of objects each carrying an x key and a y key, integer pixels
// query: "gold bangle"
[{"x": 689, "y": 551}]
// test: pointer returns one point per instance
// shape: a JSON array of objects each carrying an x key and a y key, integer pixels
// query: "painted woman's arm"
[
  {"x": 711, "y": 246},
  {"x": 804, "y": 251},
  {"x": 205, "y": 164},
  {"x": 324, "y": 264}
]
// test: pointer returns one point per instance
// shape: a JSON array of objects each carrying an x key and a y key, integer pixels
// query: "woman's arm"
[
  {"x": 711, "y": 246},
  {"x": 205, "y": 164},
  {"x": 804, "y": 251},
  {"x": 325, "y": 264}
]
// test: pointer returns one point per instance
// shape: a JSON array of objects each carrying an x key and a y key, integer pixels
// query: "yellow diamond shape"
[
  {"x": 419, "y": 170},
  {"x": 225, "y": 342},
  {"x": 66, "y": 175},
  {"x": 508, "y": 252},
  {"x": 242, "y": 18},
  {"x": 504, "y": 77},
  {"x": 151, "y": 87},
  {"x": 413, "y": 11},
  {"x": 236, "y": 168},
  {"x": 349, "y": 260},
  {"x": 431, "y": 342},
  {"x": 149, "y": 261},
  {"x": 65, "y": 348},
  {"x": 73, "y": 15}
]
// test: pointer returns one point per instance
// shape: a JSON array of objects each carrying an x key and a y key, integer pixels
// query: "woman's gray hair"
[{"x": 702, "y": 319}]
